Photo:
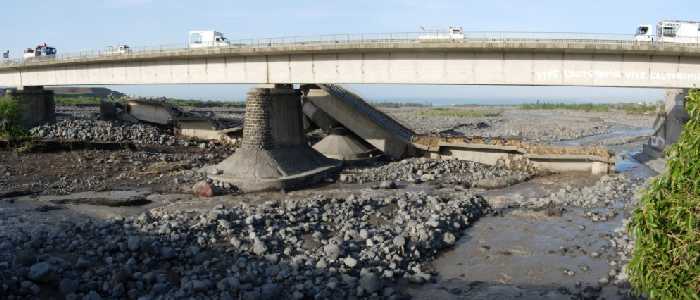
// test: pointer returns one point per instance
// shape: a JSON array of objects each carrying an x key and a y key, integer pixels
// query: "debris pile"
[
  {"x": 454, "y": 172},
  {"x": 313, "y": 248},
  {"x": 105, "y": 131}
]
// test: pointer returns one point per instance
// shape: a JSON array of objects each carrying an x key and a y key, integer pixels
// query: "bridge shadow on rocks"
[{"x": 317, "y": 247}]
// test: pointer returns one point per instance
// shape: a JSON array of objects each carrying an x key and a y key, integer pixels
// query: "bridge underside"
[{"x": 388, "y": 67}]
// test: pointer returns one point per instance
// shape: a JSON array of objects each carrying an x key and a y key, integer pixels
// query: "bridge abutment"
[
  {"x": 669, "y": 123},
  {"x": 36, "y": 105},
  {"x": 274, "y": 153}
]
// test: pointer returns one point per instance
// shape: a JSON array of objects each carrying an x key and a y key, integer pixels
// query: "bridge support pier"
[
  {"x": 36, "y": 105},
  {"x": 668, "y": 126},
  {"x": 274, "y": 154}
]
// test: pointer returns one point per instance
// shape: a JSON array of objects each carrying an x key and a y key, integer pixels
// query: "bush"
[
  {"x": 9, "y": 118},
  {"x": 666, "y": 258}
]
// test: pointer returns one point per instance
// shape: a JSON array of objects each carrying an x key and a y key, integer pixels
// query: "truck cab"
[
  {"x": 644, "y": 33},
  {"x": 207, "y": 38},
  {"x": 453, "y": 33},
  {"x": 115, "y": 50}
]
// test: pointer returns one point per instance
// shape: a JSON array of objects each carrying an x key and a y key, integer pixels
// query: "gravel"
[
  {"x": 608, "y": 191},
  {"x": 449, "y": 172},
  {"x": 105, "y": 131},
  {"x": 318, "y": 247}
]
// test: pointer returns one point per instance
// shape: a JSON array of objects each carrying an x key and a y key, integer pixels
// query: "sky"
[{"x": 75, "y": 25}]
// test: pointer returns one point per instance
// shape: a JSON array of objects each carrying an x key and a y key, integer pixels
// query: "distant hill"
[
  {"x": 81, "y": 92},
  {"x": 88, "y": 92}
]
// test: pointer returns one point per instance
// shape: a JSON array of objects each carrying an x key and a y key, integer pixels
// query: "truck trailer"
[{"x": 685, "y": 32}]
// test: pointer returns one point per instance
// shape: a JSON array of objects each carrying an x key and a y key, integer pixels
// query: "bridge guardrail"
[{"x": 374, "y": 38}]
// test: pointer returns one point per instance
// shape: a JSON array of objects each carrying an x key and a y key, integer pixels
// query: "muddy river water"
[{"x": 534, "y": 254}]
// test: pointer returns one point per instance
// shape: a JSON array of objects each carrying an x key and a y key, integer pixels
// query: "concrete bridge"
[
  {"x": 275, "y": 154},
  {"x": 389, "y": 60}
]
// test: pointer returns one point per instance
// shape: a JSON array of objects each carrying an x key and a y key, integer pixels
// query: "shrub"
[
  {"x": 666, "y": 257},
  {"x": 9, "y": 118}
]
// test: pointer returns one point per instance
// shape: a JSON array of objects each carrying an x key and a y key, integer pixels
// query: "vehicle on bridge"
[
  {"x": 114, "y": 50},
  {"x": 5, "y": 55},
  {"x": 686, "y": 32},
  {"x": 41, "y": 51},
  {"x": 210, "y": 38},
  {"x": 453, "y": 33}
]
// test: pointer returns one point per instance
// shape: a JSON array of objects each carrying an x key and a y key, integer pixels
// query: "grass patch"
[
  {"x": 205, "y": 103},
  {"x": 10, "y": 118},
  {"x": 638, "y": 109},
  {"x": 76, "y": 100},
  {"x": 568, "y": 106},
  {"x": 459, "y": 112},
  {"x": 71, "y": 100},
  {"x": 628, "y": 108},
  {"x": 666, "y": 257}
]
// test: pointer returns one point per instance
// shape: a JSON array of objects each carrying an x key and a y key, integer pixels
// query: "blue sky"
[{"x": 74, "y": 25}]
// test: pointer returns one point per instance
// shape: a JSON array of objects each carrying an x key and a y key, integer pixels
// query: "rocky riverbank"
[{"x": 321, "y": 248}]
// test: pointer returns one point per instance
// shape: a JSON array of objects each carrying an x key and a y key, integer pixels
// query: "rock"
[
  {"x": 388, "y": 185},
  {"x": 68, "y": 286},
  {"x": 259, "y": 248},
  {"x": 92, "y": 295},
  {"x": 370, "y": 283},
  {"x": 133, "y": 243},
  {"x": 203, "y": 189},
  {"x": 350, "y": 262},
  {"x": 332, "y": 251},
  {"x": 449, "y": 238},
  {"x": 40, "y": 272}
]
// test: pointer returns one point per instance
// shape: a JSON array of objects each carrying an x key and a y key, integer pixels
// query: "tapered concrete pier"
[
  {"x": 274, "y": 154},
  {"x": 36, "y": 105}
]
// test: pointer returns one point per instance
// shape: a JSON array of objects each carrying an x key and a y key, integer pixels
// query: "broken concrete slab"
[
  {"x": 153, "y": 111},
  {"x": 206, "y": 129}
]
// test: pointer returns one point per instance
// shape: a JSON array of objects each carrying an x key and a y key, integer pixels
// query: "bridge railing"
[{"x": 360, "y": 38}]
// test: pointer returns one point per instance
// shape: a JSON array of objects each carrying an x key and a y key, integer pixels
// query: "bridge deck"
[{"x": 506, "y": 45}]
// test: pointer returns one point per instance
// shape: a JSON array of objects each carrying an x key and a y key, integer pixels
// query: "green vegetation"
[
  {"x": 638, "y": 109},
  {"x": 459, "y": 112},
  {"x": 567, "y": 106},
  {"x": 666, "y": 257},
  {"x": 629, "y": 108},
  {"x": 400, "y": 104},
  {"x": 9, "y": 119},
  {"x": 93, "y": 100},
  {"x": 76, "y": 100},
  {"x": 205, "y": 103}
]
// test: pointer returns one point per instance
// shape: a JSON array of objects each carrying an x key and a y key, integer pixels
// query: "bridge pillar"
[
  {"x": 274, "y": 154},
  {"x": 36, "y": 105},
  {"x": 670, "y": 123}
]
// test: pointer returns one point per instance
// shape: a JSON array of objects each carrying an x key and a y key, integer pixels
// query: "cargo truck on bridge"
[
  {"x": 453, "y": 33},
  {"x": 207, "y": 38},
  {"x": 686, "y": 32},
  {"x": 41, "y": 51}
]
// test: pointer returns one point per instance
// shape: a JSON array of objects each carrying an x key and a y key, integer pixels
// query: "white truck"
[
  {"x": 117, "y": 50},
  {"x": 685, "y": 32},
  {"x": 453, "y": 33},
  {"x": 207, "y": 38},
  {"x": 41, "y": 51}
]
